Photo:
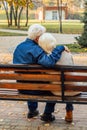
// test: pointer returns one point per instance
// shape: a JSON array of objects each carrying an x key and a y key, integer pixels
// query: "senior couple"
[{"x": 40, "y": 47}]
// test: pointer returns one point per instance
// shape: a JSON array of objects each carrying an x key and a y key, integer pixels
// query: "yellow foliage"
[
  {"x": 85, "y": 49},
  {"x": 31, "y": 5},
  {"x": 20, "y": 3},
  {"x": 10, "y": 2}
]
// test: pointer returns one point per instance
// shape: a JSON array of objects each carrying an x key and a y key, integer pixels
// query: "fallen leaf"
[
  {"x": 63, "y": 118},
  {"x": 10, "y": 113},
  {"x": 47, "y": 124},
  {"x": 73, "y": 123},
  {"x": 24, "y": 113},
  {"x": 1, "y": 119},
  {"x": 35, "y": 117},
  {"x": 29, "y": 120},
  {"x": 12, "y": 104}
]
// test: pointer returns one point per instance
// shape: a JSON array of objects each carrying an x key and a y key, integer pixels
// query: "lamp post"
[{"x": 59, "y": 5}]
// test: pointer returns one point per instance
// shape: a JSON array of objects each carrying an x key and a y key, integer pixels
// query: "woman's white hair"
[
  {"x": 47, "y": 42},
  {"x": 36, "y": 30}
]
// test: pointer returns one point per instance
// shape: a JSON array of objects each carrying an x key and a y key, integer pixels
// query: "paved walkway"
[
  {"x": 61, "y": 38},
  {"x": 13, "y": 114}
]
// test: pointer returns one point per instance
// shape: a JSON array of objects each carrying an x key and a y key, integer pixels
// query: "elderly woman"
[
  {"x": 29, "y": 52},
  {"x": 47, "y": 42}
]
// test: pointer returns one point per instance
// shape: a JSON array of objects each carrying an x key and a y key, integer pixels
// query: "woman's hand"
[{"x": 66, "y": 49}]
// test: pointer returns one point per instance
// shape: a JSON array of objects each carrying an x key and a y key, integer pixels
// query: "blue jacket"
[{"x": 28, "y": 52}]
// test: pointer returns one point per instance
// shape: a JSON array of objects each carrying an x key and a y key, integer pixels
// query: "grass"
[
  {"x": 68, "y": 27},
  {"x": 76, "y": 48},
  {"x": 11, "y": 34}
]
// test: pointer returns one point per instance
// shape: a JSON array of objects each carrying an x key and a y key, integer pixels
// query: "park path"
[
  {"x": 61, "y": 38},
  {"x": 13, "y": 116}
]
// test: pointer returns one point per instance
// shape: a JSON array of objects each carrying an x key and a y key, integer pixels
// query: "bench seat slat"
[
  {"x": 42, "y": 70},
  {"x": 31, "y": 77},
  {"x": 28, "y": 70},
  {"x": 69, "y": 70},
  {"x": 79, "y": 78},
  {"x": 30, "y": 97},
  {"x": 76, "y": 87},
  {"x": 30, "y": 86}
]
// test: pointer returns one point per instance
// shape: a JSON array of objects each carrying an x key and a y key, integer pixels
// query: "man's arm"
[{"x": 50, "y": 60}]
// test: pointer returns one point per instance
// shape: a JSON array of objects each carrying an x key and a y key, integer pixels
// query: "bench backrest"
[{"x": 59, "y": 78}]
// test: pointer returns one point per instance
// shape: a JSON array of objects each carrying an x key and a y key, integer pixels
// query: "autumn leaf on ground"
[{"x": 47, "y": 124}]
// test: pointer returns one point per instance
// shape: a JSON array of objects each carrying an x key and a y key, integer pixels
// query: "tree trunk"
[
  {"x": 59, "y": 4},
  {"x": 11, "y": 10},
  {"x": 19, "y": 16},
  {"x": 15, "y": 13},
  {"x": 26, "y": 15},
  {"x": 7, "y": 15}
]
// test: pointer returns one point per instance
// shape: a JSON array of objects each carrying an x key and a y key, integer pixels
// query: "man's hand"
[{"x": 66, "y": 49}]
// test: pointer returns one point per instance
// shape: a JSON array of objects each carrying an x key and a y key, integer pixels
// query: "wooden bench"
[{"x": 69, "y": 81}]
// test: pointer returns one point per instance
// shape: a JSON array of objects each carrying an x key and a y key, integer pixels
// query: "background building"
[{"x": 51, "y": 12}]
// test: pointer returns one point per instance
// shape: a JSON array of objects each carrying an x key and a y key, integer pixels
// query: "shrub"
[{"x": 82, "y": 40}]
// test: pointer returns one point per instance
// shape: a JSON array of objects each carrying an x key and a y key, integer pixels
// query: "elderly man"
[{"x": 29, "y": 52}]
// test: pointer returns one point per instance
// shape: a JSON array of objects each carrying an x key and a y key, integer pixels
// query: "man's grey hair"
[{"x": 35, "y": 30}]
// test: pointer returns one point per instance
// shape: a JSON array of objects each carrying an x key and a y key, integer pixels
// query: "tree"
[
  {"x": 14, "y": 8},
  {"x": 82, "y": 40},
  {"x": 19, "y": 5},
  {"x": 6, "y": 10}
]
